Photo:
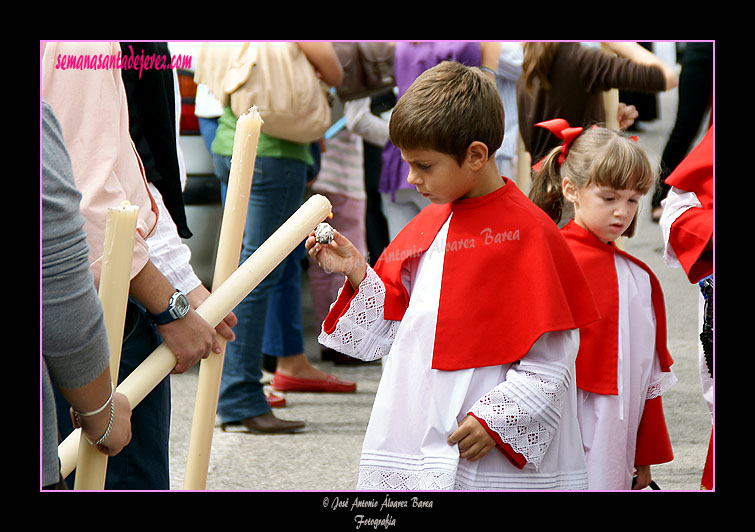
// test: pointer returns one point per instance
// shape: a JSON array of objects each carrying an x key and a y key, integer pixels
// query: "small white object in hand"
[{"x": 324, "y": 233}]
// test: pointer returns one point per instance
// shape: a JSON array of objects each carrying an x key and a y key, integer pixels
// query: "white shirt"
[{"x": 417, "y": 408}]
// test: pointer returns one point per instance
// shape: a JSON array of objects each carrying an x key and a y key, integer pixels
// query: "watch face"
[{"x": 181, "y": 305}]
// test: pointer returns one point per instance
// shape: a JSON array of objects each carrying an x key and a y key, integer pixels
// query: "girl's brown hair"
[{"x": 599, "y": 156}]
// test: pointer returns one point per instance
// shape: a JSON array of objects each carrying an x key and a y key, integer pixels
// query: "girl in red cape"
[
  {"x": 477, "y": 304},
  {"x": 623, "y": 364}
]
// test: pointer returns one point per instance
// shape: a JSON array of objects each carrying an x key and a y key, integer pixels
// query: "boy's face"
[{"x": 438, "y": 176}]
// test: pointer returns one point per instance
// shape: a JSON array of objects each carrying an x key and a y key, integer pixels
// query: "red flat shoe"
[
  {"x": 275, "y": 401},
  {"x": 331, "y": 384}
]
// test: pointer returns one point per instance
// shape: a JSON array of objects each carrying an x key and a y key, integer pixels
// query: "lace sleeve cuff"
[
  {"x": 661, "y": 385},
  {"x": 355, "y": 325},
  {"x": 524, "y": 411}
]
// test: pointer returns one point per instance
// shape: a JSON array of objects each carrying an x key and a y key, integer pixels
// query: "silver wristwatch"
[{"x": 177, "y": 309}]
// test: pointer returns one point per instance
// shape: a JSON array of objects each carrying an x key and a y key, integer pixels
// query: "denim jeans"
[
  {"x": 143, "y": 463},
  {"x": 284, "y": 333},
  {"x": 207, "y": 128},
  {"x": 277, "y": 191}
]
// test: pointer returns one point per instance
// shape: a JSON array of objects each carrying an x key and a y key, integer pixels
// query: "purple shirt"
[{"x": 411, "y": 59}]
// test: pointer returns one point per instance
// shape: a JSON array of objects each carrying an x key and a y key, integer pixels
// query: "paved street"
[{"x": 325, "y": 456}]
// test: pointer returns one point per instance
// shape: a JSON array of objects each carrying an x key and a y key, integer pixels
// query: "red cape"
[
  {"x": 691, "y": 232},
  {"x": 508, "y": 278},
  {"x": 598, "y": 342}
]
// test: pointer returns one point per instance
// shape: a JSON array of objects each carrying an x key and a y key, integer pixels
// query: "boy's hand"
[
  {"x": 338, "y": 256},
  {"x": 473, "y": 440}
]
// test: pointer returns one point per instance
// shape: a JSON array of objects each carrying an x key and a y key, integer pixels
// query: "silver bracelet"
[
  {"x": 100, "y": 409},
  {"x": 107, "y": 430}
]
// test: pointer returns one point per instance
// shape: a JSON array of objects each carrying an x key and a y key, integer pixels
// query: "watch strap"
[{"x": 171, "y": 313}]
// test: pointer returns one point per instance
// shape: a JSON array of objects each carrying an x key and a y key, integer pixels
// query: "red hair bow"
[{"x": 560, "y": 128}]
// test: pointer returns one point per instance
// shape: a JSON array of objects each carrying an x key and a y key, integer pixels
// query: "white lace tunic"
[
  {"x": 609, "y": 423},
  {"x": 531, "y": 404}
]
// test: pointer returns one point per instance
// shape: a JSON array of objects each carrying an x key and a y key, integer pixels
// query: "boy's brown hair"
[{"x": 448, "y": 107}]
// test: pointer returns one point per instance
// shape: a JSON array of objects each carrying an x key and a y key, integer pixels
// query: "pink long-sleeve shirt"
[{"x": 90, "y": 104}]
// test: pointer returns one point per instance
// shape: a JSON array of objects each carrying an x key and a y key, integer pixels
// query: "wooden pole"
[
  {"x": 222, "y": 301},
  {"x": 227, "y": 260},
  {"x": 120, "y": 231}
]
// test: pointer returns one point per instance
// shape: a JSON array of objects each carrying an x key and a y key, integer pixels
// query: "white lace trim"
[
  {"x": 385, "y": 471},
  {"x": 666, "y": 380},
  {"x": 525, "y": 411},
  {"x": 362, "y": 332},
  {"x": 375, "y": 478},
  {"x": 676, "y": 203}
]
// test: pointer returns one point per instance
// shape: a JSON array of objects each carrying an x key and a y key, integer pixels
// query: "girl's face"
[{"x": 604, "y": 211}]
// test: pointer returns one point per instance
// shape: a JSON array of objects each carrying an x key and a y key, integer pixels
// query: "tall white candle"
[
  {"x": 222, "y": 301},
  {"x": 118, "y": 251},
  {"x": 227, "y": 260}
]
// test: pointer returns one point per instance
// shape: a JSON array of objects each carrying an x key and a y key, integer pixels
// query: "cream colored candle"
[
  {"x": 222, "y": 301},
  {"x": 227, "y": 260},
  {"x": 611, "y": 100},
  {"x": 611, "y": 104},
  {"x": 120, "y": 231}
]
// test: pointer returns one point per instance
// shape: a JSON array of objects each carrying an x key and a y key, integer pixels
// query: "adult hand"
[
  {"x": 120, "y": 431},
  {"x": 197, "y": 296},
  {"x": 190, "y": 339},
  {"x": 627, "y": 115}
]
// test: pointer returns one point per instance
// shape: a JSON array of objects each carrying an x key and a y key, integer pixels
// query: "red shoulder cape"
[
  {"x": 508, "y": 278},
  {"x": 691, "y": 232},
  {"x": 598, "y": 342}
]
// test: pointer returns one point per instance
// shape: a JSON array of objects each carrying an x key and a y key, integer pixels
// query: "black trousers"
[{"x": 695, "y": 97}]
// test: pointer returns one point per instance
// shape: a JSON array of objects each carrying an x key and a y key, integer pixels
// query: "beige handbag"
[{"x": 276, "y": 77}]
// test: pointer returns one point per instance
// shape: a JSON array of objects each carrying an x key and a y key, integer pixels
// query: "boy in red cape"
[
  {"x": 623, "y": 365},
  {"x": 478, "y": 302},
  {"x": 687, "y": 225}
]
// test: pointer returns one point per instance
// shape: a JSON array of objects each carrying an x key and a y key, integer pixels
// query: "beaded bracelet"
[{"x": 489, "y": 70}]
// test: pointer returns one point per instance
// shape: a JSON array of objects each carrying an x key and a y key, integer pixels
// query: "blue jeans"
[
  {"x": 207, "y": 128},
  {"x": 277, "y": 191},
  {"x": 284, "y": 335},
  {"x": 143, "y": 463}
]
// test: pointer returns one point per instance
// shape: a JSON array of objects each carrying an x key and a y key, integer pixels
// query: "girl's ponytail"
[{"x": 546, "y": 191}]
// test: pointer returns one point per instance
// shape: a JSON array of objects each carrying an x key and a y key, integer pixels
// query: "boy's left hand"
[{"x": 473, "y": 440}]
